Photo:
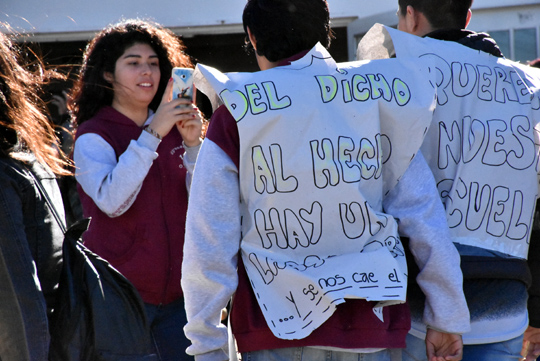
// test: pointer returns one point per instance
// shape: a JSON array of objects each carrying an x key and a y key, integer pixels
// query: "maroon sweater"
[
  {"x": 146, "y": 242},
  {"x": 353, "y": 325}
]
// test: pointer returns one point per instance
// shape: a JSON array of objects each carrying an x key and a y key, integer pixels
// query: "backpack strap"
[{"x": 49, "y": 202}]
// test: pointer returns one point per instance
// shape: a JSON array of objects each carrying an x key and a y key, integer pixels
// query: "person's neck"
[
  {"x": 137, "y": 114},
  {"x": 264, "y": 63},
  {"x": 423, "y": 29}
]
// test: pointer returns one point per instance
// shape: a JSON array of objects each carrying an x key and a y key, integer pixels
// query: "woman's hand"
[
  {"x": 181, "y": 112},
  {"x": 191, "y": 129}
]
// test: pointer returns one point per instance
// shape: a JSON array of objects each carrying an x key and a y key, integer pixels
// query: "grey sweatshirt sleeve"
[
  {"x": 212, "y": 243},
  {"x": 416, "y": 203},
  {"x": 113, "y": 185},
  {"x": 190, "y": 159}
]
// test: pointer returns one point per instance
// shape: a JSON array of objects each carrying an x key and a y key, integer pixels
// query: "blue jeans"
[
  {"x": 167, "y": 328},
  {"x": 499, "y": 351},
  {"x": 312, "y": 354}
]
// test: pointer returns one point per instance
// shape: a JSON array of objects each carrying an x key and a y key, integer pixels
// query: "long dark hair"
[
  {"x": 24, "y": 126},
  {"x": 92, "y": 92}
]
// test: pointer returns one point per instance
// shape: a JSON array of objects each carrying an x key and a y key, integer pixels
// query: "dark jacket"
[
  {"x": 30, "y": 258},
  {"x": 477, "y": 41}
]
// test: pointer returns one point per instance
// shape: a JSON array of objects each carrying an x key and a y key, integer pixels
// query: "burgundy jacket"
[{"x": 146, "y": 242}]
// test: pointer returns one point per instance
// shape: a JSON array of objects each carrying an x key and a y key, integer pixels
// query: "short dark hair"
[
  {"x": 441, "y": 14},
  {"x": 92, "y": 92},
  {"x": 284, "y": 28}
]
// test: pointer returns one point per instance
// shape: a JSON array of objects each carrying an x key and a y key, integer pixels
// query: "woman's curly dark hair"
[{"x": 92, "y": 92}]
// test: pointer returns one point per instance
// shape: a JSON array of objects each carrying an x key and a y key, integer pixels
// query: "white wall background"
[
  {"x": 67, "y": 20},
  {"x": 72, "y": 16}
]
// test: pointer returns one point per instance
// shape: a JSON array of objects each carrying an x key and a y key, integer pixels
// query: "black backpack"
[{"x": 99, "y": 315}]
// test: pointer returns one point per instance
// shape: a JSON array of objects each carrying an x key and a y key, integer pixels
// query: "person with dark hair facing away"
[
  {"x": 306, "y": 245},
  {"x": 30, "y": 237},
  {"x": 493, "y": 261},
  {"x": 531, "y": 338},
  {"x": 133, "y": 144}
]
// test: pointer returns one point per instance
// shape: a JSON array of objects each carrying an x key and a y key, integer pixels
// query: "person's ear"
[
  {"x": 469, "y": 15},
  {"x": 252, "y": 39},
  {"x": 417, "y": 22},
  {"x": 108, "y": 76},
  {"x": 411, "y": 20}
]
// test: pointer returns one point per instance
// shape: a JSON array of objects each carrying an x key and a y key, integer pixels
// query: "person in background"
[
  {"x": 132, "y": 149},
  {"x": 234, "y": 186},
  {"x": 56, "y": 98},
  {"x": 30, "y": 237},
  {"x": 495, "y": 277},
  {"x": 531, "y": 337}
]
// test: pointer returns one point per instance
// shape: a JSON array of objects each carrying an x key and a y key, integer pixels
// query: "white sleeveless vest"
[
  {"x": 483, "y": 145},
  {"x": 321, "y": 144}
]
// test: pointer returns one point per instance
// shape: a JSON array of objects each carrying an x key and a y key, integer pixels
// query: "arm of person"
[
  {"x": 190, "y": 159},
  {"x": 189, "y": 123},
  {"x": 212, "y": 243},
  {"x": 416, "y": 203},
  {"x": 113, "y": 185}
]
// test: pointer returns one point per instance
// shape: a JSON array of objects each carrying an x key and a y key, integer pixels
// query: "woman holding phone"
[{"x": 133, "y": 144}]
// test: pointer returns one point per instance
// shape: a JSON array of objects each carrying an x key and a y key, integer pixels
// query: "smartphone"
[{"x": 183, "y": 83}]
